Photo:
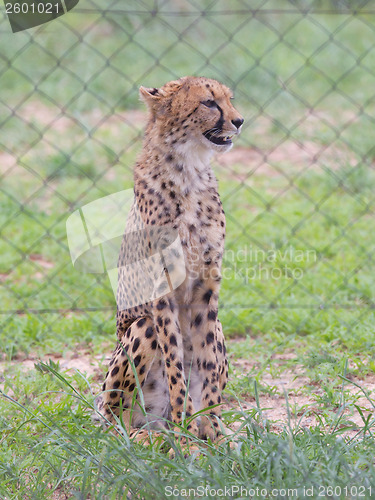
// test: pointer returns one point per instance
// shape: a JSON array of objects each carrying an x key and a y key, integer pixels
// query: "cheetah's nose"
[{"x": 238, "y": 122}]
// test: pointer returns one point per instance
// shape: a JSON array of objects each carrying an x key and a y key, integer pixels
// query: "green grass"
[
  {"x": 298, "y": 289},
  {"x": 47, "y": 419}
]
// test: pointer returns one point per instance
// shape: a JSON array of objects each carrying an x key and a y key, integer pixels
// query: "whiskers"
[
  {"x": 214, "y": 132},
  {"x": 218, "y": 132}
]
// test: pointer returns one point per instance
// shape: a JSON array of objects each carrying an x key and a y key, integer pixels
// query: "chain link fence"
[{"x": 298, "y": 187}]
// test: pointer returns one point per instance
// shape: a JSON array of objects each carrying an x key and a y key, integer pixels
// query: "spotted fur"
[{"x": 175, "y": 343}]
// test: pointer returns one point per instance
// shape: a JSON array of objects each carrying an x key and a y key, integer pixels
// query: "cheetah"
[{"x": 170, "y": 358}]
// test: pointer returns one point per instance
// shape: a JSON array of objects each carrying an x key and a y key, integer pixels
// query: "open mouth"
[{"x": 212, "y": 137}]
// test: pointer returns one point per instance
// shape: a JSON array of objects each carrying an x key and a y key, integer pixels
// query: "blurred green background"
[{"x": 299, "y": 183}]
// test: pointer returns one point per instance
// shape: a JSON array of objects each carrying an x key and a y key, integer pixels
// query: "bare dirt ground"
[
  {"x": 293, "y": 404},
  {"x": 289, "y": 403}
]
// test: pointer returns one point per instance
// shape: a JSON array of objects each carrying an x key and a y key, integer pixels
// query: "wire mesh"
[{"x": 298, "y": 182}]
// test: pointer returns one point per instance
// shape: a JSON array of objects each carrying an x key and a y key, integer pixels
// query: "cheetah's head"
[{"x": 194, "y": 109}]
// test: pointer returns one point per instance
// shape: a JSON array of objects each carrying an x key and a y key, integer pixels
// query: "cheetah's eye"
[{"x": 209, "y": 103}]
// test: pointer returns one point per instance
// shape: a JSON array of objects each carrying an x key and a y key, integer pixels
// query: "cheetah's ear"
[{"x": 149, "y": 95}]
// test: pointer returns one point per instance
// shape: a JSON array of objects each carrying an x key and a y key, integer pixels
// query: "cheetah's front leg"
[
  {"x": 209, "y": 352},
  {"x": 170, "y": 340}
]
